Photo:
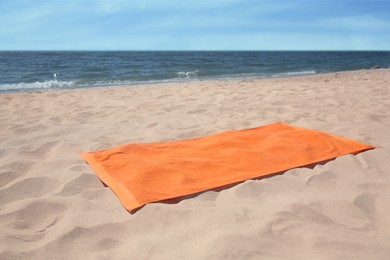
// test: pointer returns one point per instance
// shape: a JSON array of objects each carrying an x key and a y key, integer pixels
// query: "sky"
[{"x": 194, "y": 25}]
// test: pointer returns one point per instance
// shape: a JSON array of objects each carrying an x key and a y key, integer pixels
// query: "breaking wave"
[
  {"x": 297, "y": 73},
  {"x": 50, "y": 84},
  {"x": 187, "y": 74}
]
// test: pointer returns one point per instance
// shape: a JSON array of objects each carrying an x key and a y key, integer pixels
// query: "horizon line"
[{"x": 189, "y": 50}]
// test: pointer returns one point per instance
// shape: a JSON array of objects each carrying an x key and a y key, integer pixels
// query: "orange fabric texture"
[{"x": 140, "y": 173}]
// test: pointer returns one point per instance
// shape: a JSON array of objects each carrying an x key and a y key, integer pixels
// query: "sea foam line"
[
  {"x": 37, "y": 85},
  {"x": 292, "y": 73}
]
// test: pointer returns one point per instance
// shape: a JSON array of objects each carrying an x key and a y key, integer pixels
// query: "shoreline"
[
  {"x": 189, "y": 80},
  {"x": 52, "y": 205}
]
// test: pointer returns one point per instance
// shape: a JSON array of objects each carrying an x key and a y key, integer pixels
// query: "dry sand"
[{"x": 52, "y": 206}]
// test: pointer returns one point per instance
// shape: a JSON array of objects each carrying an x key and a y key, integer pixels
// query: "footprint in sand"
[
  {"x": 13, "y": 170},
  {"x": 164, "y": 96},
  {"x": 198, "y": 111},
  {"x": 366, "y": 203},
  {"x": 255, "y": 190},
  {"x": 28, "y": 129},
  {"x": 37, "y": 151},
  {"x": 37, "y": 217},
  {"x": 80, "y": 184},
  {"x": 27, "y": 188},
  {"x": 152, "y": 125},
  {"x": 8, "y": 176},
  {"x": 322, "y": 179},
  {"x": 103, "y": 240}
]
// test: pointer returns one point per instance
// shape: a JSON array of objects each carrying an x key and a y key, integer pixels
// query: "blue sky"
[{"x": 194, "y": 25}]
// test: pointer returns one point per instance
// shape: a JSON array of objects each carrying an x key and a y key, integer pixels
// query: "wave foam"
[
  {"x": 102, "y": 83},
  {"x": 307, "y": 72},
  {"x": 55, "y": 84},
  {"x": 187, "y": 74}
]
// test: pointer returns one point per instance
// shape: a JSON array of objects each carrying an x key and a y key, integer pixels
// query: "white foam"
[
  {"x": 55, "y": 84},
  {"x": 292, "y": 73},
  {"x": 101, "y": 83},
  {"x": 187, "y": 74}
]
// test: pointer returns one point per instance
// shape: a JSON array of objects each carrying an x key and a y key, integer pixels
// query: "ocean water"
[{"x": 45, "y": 70}]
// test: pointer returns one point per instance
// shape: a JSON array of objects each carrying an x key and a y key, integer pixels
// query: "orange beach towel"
[{"x": 140, "y": 173}]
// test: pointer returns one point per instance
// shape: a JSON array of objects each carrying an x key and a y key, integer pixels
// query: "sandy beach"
[{"x": 53, "y": 206}]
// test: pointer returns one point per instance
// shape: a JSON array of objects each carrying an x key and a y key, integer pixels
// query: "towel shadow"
[{"x": 177, "y": 200}]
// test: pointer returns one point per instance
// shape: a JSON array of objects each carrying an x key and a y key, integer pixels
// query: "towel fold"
[{"x": 140, "y": 173}]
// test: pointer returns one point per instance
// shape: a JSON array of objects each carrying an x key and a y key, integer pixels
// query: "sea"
[{"x": 22, "y": 71}]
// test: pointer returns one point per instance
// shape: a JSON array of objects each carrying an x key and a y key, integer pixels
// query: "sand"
[{"x": 52, "y": 205}]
